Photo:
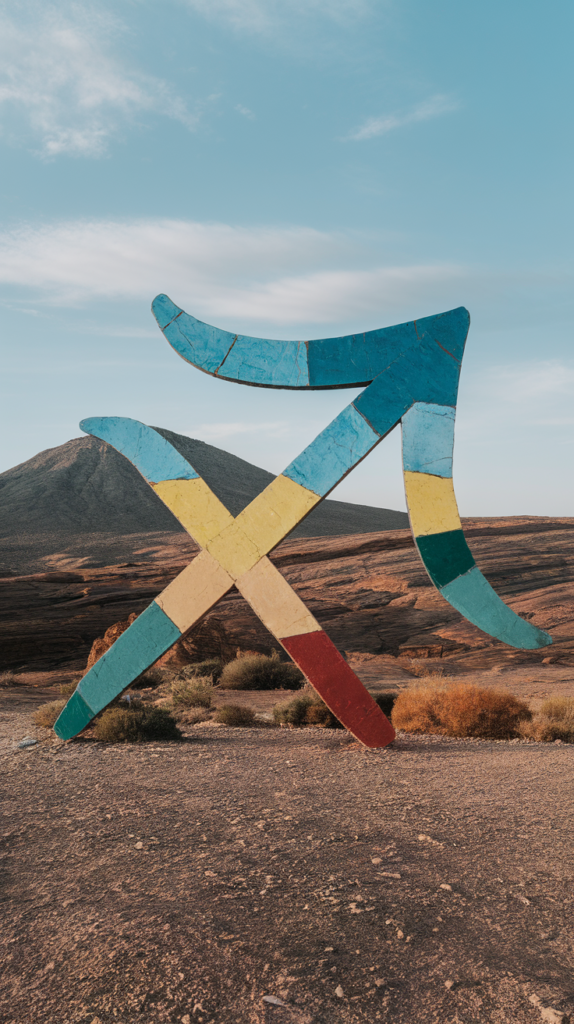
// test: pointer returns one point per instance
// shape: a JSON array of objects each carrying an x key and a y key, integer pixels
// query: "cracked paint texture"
[
  {"x": 334, "y": 452},
  {"x": 428, "y": 439}
]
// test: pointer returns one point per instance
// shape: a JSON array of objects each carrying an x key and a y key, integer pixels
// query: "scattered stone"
[
  {"x": 444, "y": 885},
  {"x": 448, "y": 984},
  {"x": 28, "y": 741},
  {"x": 339, "y": 992},
  {"x": 389, "y": 874},
  {"x": 186, "y": 1019},
  {"x": 379, "y": 982},
  {"x": 400, "y": 934},
  {"x": 376, "y": 860},
  {"x": 274, "y": 1000},
  {"x": 138, "y": 846}
]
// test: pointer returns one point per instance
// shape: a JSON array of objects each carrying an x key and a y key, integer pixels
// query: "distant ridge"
[{"x": 83, "y": 503}]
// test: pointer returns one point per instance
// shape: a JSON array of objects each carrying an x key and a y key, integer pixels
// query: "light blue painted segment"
[
  {"x": 281, "y": 364},
  {"x": 200, "y": 344},
  {"x": 333, "y": 453},
  {"x": 164, "y": 310},
  {"x": 148, "y": 637},
  {"x": 147, "y": 450},
  {"x": 474, "y": 598},
  {"x": 428, "y": 439}
]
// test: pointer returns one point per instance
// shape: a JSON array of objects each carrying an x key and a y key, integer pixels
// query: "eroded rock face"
[
  {"x": 103, "y": 643},
  {"x": 369, "y": 592}
]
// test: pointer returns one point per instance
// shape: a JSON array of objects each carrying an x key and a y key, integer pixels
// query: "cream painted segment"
[
  {"x": 196, "y": 506},
  {"x": 201, "y": 585},
  {"x": 275, "y": 512},
  {"x": 275, "y": 602},
  {"x": 432, "y": 504}
]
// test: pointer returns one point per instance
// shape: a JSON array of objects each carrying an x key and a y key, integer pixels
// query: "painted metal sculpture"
[{"x": 410, "y": 375}]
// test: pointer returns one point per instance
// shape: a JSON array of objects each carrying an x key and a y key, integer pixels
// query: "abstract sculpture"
[{"x": 410, "y": 374}]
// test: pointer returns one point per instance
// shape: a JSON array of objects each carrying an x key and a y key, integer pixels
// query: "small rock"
[
  {"x": 186, "y": 1019},
  {"x": 444, "y": 885},
  {"x": 138, "y": 846},
  {"x": 448, "y": 984},
  {"x": 379, "y": 982},
  {"x": 274, "y": 1000},
  {"x": 339, "y": 992},
  {"x": 551, "y": 1016},
  {"x": 210, "y": 874},
  {"x": 534, "y": 999},
  {"x": 400, "y": 934},
  {"x": 389, "y": 874},
  {"x": 28, "y": 741},
  {"x": 376, "y": 860}
]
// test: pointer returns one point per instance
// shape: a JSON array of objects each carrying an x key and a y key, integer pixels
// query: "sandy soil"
[{"x": 431, "y": 881}]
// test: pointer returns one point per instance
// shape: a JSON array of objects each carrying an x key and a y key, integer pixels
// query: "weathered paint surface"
[
  {"x": 334, "y": 452},
  {"x": 432, "y": 504},
  {"x": 474, "y": 598},
  {"x": 337, "y": 684},
  {"x": 198, "y": 509},
  {"x": 275, "y": 602},
  {"x": 445, "y": 556},
  {"x": 148, "y": 451},
  {"x": 428, "y": 439},
  {"x": 191, "y": 594}
]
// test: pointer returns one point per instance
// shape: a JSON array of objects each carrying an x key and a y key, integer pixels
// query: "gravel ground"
[{"x": 268, "y": 876}]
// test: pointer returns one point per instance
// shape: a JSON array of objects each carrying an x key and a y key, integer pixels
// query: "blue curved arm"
[{"x": 352, "y": 360}]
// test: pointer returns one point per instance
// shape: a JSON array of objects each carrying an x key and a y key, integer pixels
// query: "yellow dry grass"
[{"x": 433, "y": 705}]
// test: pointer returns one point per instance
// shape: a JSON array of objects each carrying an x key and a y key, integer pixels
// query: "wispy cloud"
[
  {"x": 63, "y": 79},
  {"x": 245, "y": 111},
  {"x": 262, "y": 16},
  {"x": 535, "y": 381},
  {"x": 433, "y": 107},
  {"x": 278, "y": 275}
]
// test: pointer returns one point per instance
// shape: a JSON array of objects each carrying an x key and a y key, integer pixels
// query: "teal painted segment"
[
  {"x": 147, "y": 450},
  {"x": 333, "y": 453},
  {"x": 358, "y": 358},
  {"x": 474, "y": 598},
  {"x": 445, "y": 555},
  {"x": 347, "y": 361},
  {"x": 447, "y": 330},
  {"x": 428, "y": 439},
  {"x": 427, "y": 374},
  {"x": 150, "y": 636},
  {"x": 281, "y": 364},
  {"x": 74, "y": 717}
]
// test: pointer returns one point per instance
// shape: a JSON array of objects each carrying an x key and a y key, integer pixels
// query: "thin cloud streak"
[
  {"x": 61, "y": 78},
  {"x": 435, "y": 106},
  {"x": 265, "y": 16}
]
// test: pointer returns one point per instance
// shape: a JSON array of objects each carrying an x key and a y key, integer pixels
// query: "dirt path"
[{"x": 186, "y": 882}]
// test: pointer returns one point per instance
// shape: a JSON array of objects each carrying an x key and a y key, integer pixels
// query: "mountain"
[{"x": 84, "y": 504}]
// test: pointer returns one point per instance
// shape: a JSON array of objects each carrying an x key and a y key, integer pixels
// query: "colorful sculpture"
[{"x": 410, "y": 373}]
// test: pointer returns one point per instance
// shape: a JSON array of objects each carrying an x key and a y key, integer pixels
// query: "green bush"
[
  {"x": 213, "y": 668},
  {"x": 137, "y": 723},
  {"x": 47, "y": 714},
  {"x": 258, "y": 672},
  {"x": 234, "y": 714},
  {"x": 192, "y": 693},
  {"x": 306, "y": 709}
]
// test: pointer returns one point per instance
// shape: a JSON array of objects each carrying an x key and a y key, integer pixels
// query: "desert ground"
[{"x": 276, "y": 876}]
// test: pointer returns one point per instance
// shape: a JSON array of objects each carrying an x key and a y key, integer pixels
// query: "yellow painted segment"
[
  {"x": 432, "y": 504},
  {"x": 234, "y": 550},
  {"x": 274, "y": 513},
  {"x": 201, "y": 585},
  {"x": 196, "y": 506},
  {"x": 275, "y": 602}
]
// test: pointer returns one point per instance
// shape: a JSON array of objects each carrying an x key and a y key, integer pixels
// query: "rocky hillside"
[
  {"x": 370, "y": 592},
  {"x": 83, "y": 504}
]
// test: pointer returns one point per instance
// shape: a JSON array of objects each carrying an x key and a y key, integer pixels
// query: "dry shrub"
[
  {"x": 386, "y": 702},
  {"x": 194, "y": 716},
  {"x": 67, "y": 689},
  {"x": 306, "y": 709},
  {"x": 554, "y": 721},
  {"x": 213, "y": 668},
  {"x": 258, "y": 672},
  {"x": 137, "y": 723},
  {"x": 8, "y": 679},
  {"x": 152, "y": 678},
  {"x": 234, "y": 714},
  {"x": 459, "y": 709},
  {"x": 192, "y": 693},
  {"x": 47, "y": 714}
]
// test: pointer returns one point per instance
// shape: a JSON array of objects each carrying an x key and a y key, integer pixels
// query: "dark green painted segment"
[
  {"x": 74, "y": 717},
  {"x": 445, "y": 555}
]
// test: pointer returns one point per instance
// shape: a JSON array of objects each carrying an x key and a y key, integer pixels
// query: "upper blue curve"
[{"x": 349, "y": 361}]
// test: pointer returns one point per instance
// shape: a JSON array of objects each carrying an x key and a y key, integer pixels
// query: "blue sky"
[{"x": 290, "y": 169}]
